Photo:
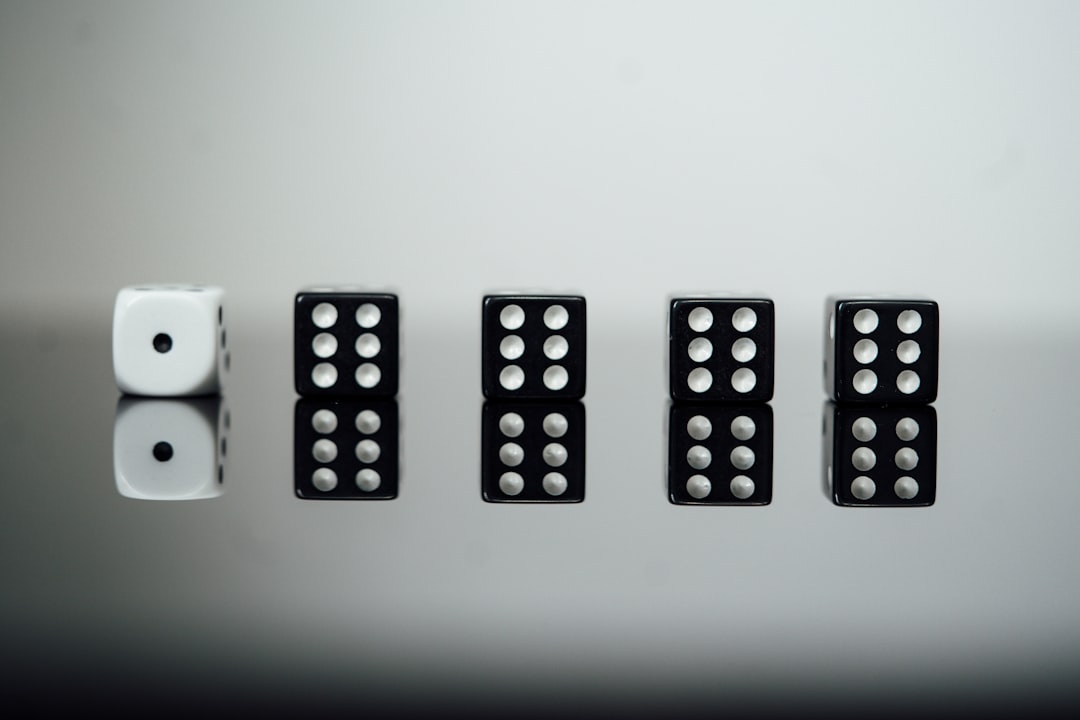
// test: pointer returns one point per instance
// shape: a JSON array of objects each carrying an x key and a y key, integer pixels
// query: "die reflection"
[
  {"x": 532, "y": 451},
  {"x": 879, "y": 455},
  {"x": 346, "y": 449},
  {"x": 720, "y": 453},
  {"x": 170, "y": 449}
]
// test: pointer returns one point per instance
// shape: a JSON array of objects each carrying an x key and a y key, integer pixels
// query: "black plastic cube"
[
  {"x": 721, "y": 349},
  {"x": 346, "y": 344},
  {"x": 881, "y": 350},
  {"x": 533, "y": 347}
]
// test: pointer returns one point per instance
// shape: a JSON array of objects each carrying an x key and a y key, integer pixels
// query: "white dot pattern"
[
  {"x": 554, "y": 483},
  {"x": 699, "y": 349},
  {"x": 533, "y": 455},
  {"x": 324, "y": 345},
  {"x": 324, "y": 479},
  {"x": 720, "y": 348},
  {"x": 536, "y": 341},
  {"x": 324, "y": 315},
  {"x": 349, "y": 358},
  {"x": 698, "y": 487},
  {"x": 699, "y": 457},
  {"x": 718, "y": 466},
  {"x": 368, "y": 480},
  {"x": 556, "y": 317},
  {"x": 699, "y": 427},
  {"x": 556, "y": 347},
  {"x": 555, "y": 425},
  {"x": 700, "y": 319},
  {"x": 555, "y": 454},
  {"x": 368, "y": 451},
  {"x": 511, "y": 425},
  {"x": 556, "y": 377},
  {"x": 699, "y": 380},
  {"x": 512, "y": 347},
  {"x": 368, "y": 422},
  {"x": 368, "y": 315},
  {"x": 512, "y": 317},
  {"x": 324, "y": 451},
  {"x": 511, "y": 454},
  {"x": 324, "y": 421},
  {"x": 889, "y": 355},
  {"x": 884, "y": 466},
  {"x": 906, "y": 488},
  {"x": 368, "y": 345},
  {"x": 345, "y": 444},
  {"x": 368, "y": 375}
]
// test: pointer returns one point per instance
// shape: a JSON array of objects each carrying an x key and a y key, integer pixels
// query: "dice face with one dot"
[
  {"x": 533, "y": 347},
  {"x": 720, "y": 454},
  {"x": 721, "y": 349},
  {"x": 346, "y": 344},
  {"x": 170, "y": 340},
  {"x": 346, "y": 449},
  {"x": 533, "y": 452},
  {"x": 880, "y": 456},
  {"x": 881, "y": 350},
  {"x": 170, "y": 449}
]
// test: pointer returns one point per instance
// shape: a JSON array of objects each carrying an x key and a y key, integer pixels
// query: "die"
[
  {"x": 721, "y": 349},
  {"x": 345, "y": 343},
  {"x": 533, "y": 346},
  {"x": 533, "y": 452},
  {"x": 880, "y": 455},
  {"x": 881, "y": 350},
  {"x": 346, "y": 449},
  {"x": 720, "y": 454},
  {"x": 169, "y": 340},
  {"x": 170, "y": 449}
]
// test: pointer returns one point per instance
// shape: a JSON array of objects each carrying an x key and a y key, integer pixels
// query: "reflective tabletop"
[{"x": 164, "y": 552}]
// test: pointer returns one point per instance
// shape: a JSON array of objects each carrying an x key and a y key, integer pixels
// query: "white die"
[
  {"x": 169, "y": 340},
  {"x": 170, "y": 449}
]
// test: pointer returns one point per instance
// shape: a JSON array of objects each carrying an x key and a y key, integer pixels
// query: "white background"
[{"x": 626, "y": 151}]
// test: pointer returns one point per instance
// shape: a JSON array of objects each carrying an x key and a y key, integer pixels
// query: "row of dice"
[
  {"x": 719, "y": 454},
  {"x": 171, "y": 340}
]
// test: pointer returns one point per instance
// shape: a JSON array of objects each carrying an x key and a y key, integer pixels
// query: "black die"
[
  {"x": 346, "y": 344},
  {"x": 880, "y": 456},
  {"x": 533, "y": 347},
  {"x": 346, "y": 449},
  {"x": 721, "y": 350},
  {"x": 720, "y": 454},
  {"x": 533, "y": 452},
  {"x": 881, "y": 350}
]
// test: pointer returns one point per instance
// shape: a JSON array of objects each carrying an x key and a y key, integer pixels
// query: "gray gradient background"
[{"x": 626, "y": 151}]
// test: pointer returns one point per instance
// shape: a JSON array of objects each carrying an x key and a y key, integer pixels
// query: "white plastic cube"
[
  {"x": 170, "y": 449},
  {"x": 169, "y": 340}
]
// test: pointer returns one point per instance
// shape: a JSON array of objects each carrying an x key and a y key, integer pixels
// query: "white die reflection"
[{"x": 170, "y": 449}]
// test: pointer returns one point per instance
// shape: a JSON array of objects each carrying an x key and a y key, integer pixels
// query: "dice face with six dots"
[
  {"x": 170, "y": 449},
  {"x": 533, "y": 347},
  {"x": 720, "y": 454},
  {"x": 346, "y": 344},
  {"x": 346, "y": 449},
  {"x": 880, "y": 456},
  {"x": 881, "y": 350},
  {"x": 721, "y": 349},
  {"x": 533, "y": 452},
  {"x": 169, "y": 340}
]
